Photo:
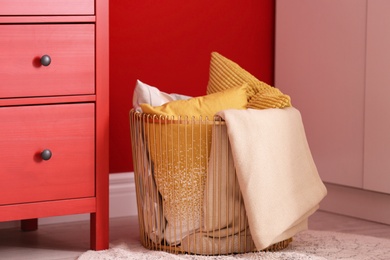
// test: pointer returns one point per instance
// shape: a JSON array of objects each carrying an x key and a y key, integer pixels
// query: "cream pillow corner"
[{"x": 144, "y": 93}]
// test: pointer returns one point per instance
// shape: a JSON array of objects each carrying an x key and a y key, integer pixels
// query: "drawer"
[
  {"x": 47, "y": 7},
  {"x": 71, "y": 51},
  {"x": 25, "y": 132}
]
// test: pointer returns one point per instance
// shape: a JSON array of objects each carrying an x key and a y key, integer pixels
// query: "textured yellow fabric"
[
  {"x": 225, "y": 74},
  {"x": 179, "y": 149},
  {"x": 269, "y": 98},
  {"x": 202, "y": 106}
]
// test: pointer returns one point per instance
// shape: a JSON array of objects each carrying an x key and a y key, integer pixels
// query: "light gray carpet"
[{"x": 306, "y": 245}]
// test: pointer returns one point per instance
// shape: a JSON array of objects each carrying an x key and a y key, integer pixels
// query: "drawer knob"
[
  {"x": 46, "y": 154},
  {"x": 45, "y": 60}
]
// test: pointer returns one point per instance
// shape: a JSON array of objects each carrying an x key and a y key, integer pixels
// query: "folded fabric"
[
  {"x": 150, "y": 201},
  {"x": 202, "y": 243},
  {"x": 223, "y": 206},
  {"x": 278, "y": 178}
]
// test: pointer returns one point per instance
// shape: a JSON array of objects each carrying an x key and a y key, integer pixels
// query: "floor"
[{"x": 69, "y": 240}]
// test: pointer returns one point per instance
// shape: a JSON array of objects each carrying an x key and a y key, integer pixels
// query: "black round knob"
[
  {"x": 46, "y": 154},
  {"x": 45, "y": 60}
]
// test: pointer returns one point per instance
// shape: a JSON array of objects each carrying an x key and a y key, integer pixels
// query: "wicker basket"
[{"x": 188, "y": 197}]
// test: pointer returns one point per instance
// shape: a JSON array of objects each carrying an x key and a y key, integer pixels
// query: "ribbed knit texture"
[{"x": 225, "y": 73}]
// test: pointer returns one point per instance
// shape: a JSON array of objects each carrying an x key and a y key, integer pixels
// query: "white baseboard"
[
  {"x": 342, "y": 200},
  {"x": 122, "y": 195},
  {"x": 122, "y": 202}
]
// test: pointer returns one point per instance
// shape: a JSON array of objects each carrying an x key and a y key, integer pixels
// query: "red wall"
[{"x": 168, "y": 43}]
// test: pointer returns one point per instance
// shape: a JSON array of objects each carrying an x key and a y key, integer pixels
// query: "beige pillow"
[
  {"x": 225, "y": 73},
  {"x": 179, "y": 148},
  {"x": 144, "y": 93}
]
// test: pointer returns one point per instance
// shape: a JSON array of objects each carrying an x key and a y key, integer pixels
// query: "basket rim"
[{"x": 171, "y": 119}]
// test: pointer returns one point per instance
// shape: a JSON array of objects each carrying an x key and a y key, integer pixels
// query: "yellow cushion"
[
  {"x": 179, "y": 151},
  {"x": 225, "y": 74},
  {"x": 207, "y": 105}
]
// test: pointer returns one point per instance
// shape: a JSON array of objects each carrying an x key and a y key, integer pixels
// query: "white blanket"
[{"x": 278, "y": 178}]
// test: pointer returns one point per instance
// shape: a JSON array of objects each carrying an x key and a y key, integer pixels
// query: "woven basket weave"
[{"x": 188, "y": 197}]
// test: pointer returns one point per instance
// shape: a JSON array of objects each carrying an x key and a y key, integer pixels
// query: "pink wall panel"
[
  {"x": 320, "y": 62},
  {"x": 168, "y": 44},
  {"x": 377, "y": 114}
]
